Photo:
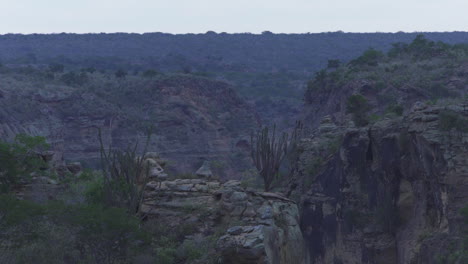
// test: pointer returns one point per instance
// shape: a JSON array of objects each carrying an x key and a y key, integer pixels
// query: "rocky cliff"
[
  {"x": 194, "y": 119},
  {"x": 387, "y": 193},
  {"x": 229, "y": 223},
  {"x": 382, "y": 174}
]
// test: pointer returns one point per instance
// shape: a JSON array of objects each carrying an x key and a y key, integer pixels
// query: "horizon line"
[{"x": 265, "y": 32}]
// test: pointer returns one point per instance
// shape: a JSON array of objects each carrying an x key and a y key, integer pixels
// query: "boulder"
[
  {"x": 154, "y": 164},
  {"x": 205, "y": 171},
  {"x": 74, "y": 167}
]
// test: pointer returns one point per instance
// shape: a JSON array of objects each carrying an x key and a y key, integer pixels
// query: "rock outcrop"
[
  {"x": 194, "y": 118},
  {"x": 205, "y": 171},
  {"x": 386, "y": 193},
  {"x": 153, "y": 164},
  {"x": 249, "y": 227}
]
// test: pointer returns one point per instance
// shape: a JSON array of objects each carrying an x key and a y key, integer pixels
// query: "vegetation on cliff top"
[{"x": 423, "y": 68}]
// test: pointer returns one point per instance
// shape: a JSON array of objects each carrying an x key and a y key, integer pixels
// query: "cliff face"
[
  {"x": 194, "y": 119},
  {"x": 390, "y": 193},
  {"x": 227, "y": 222},
  {"x": 383, "y": 177}
]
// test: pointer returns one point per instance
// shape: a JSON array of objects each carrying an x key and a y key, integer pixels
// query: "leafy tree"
[
  {"x": 150, "y": 73},
  {"x": 423, "y": 48},
  {"x": 358, "y": 106},
  {"x": 397, "y": 49},
  {"x": 72, "y": 78},
  {"x": 56, "y": 68},
  {"x": 371, "y": 57},
  {"x": 319, "y": 82},
  {"x": 89, "y": 70},
  {"x": 19, "y": 159},
  {"x": 333, "y": 64},
  {"x": 120, "y": 74}
]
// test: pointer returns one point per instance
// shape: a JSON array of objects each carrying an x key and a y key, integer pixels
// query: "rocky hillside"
[
  {"x": 193, "y": 118},
  {"x": 383, "y": 176},
  {"x": 390, "y": 83},
  {"x": 268, "y": 69}
]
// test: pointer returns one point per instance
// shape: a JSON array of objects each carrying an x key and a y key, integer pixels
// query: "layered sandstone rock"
[
  {"x": 194, "y": 119},
  {"x": 253, "y": 227}
]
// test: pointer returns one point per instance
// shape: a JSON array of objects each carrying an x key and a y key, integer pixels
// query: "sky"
[{"x": 232, "y": 16}]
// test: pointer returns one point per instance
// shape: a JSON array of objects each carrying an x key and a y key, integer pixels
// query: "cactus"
[{"x": 268, "y": 150}]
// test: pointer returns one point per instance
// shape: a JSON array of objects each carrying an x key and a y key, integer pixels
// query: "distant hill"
[
  {"x": 267, "y": 52},
  {"x": 271, "y": 70},
  {"x": 189, "y": 123}
]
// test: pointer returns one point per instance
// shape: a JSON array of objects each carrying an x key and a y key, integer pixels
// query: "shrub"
[
  {"x": 165, "y": 255},
  {"x": 374, "y": 118},
  {"x": 370, "y": 57},
  {"x": 358, "y": 106},
  {"x": 189, "y": 251},
  {"x": 397, "y": 49},
  {"x": 72, "y": 78},
  {"x": 150, "y": 73},
  {"x": 120, "y": 74},
  {"x": 449, "y": 120},
  {"x": 438, "y": 90},
  {"x": 333, "y": 64},
  {"x": 395, "y": 108},
  {"x": 14, "y": 211},
  {"x": 319, "y": 82},
  {"x": 56, "y": 67},
  {"x": 103, "y": 235},
  {"x": 19, "y": 159}
]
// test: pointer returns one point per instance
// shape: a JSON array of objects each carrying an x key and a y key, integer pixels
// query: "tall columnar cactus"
[
  {"x": 125, "y": 176},
  {"x": 268, "y": 151}
]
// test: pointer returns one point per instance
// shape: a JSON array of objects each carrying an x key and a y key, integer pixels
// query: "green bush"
[
  {"x": 189, "y": 251},
  {"x": 165, "y": 255},
  {"x": 19, "y": 159},
  {"x": 72, "y": 78},
  {"x": 449, "y": 120},
  {"x": 150, "y": 73},
  {"x": 358, "y": 106},
  {"x": 104, "y": 235},
  {"x": 395, "y": 109},
  {"x": 333, "y": 64},
  {"x": 14, "y": 211},
  {"x": 120, "y": 74},
  {"x": 370, "y": 57},
  {"x": 319, "y": 83},
  {"x": 56, "y": 67}
]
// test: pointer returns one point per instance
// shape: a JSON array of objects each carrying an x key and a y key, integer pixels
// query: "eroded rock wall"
[
  {"x": 249, "y": 227},
  {"x": 193, "y": 119},
  {"x": 391, "y": 193}
]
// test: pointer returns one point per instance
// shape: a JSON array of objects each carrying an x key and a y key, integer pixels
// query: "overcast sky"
[{"x": 199, "y": 16}]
